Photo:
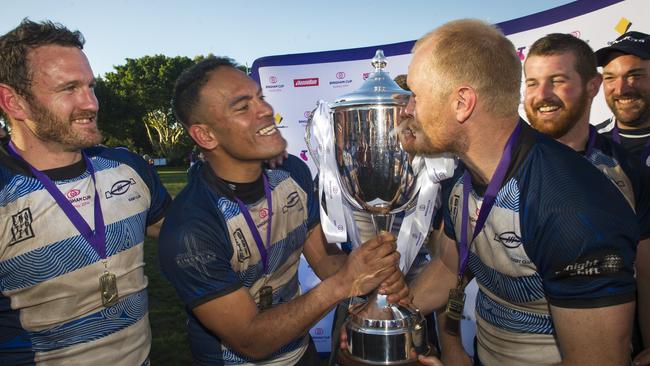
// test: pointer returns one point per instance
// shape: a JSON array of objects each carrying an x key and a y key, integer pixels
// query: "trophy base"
[{"x": 344, "y": 358}]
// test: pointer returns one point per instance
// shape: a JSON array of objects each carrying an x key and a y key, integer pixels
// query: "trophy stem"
[{"x": 382, "y": 222}]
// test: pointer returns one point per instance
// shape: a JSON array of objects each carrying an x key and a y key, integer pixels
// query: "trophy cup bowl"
[{"x": 376, "y": 177}]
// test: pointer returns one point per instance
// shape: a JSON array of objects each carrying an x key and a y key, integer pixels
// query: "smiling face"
[
  {"x": 556, "y": 98},
  {"x": 62, "y": 108},
  {"x": 233, "y": 107},
  {"x": 626, "y": 83}
]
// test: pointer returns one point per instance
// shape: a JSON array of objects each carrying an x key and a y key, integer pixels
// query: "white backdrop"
[{"x": 293, "y": 83}]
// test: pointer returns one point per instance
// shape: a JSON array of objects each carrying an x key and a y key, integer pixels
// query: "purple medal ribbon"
[
  {"x": 253, "y": 227},
  {"x": 616, "y": 136},
  {"x": 97, "y": 239},
  {"x": 488, "y": 200}
]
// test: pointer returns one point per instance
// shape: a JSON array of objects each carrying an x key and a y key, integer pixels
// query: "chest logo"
[
  {"x": 120, "y": 187},
  {"x": 509, "y": 239},
  {"x": 243, "y": 252},
  {"x": 21, "y": 226},
  {"x": 292, "y": 199}
]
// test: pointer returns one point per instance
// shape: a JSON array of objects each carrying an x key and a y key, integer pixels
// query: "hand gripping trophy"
[{"x": 359, "y": 157}]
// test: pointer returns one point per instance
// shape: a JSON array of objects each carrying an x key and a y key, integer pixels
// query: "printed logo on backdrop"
[
  {"x": 277, "y": 119},
  {"x": 365, "y": 75},
  {"x": 274, "y": 85},
  {"x": 306, "y": 116},
  {"x": 303, "y": 155},
  {"x": 21, "y": 226},
  {"x": 341, "y": 81},
  {"x": 306, "y": 82}
]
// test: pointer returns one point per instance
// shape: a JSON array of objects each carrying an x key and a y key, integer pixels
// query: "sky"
[{"x": 247, "y": 30}]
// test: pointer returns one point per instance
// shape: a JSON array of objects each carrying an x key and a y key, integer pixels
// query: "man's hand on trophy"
[
  {"x": 395, "y": 288},
  {"x": 370, "y": 265}
]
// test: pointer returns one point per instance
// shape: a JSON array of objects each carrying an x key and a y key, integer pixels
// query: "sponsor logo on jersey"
[
  {"x": 243, "y": 252},
  {"x": 509, "y": 239},
  {"x": 608, "y": 263},
  {"x": 21, "y": 226},
  {"x": 292, "y": 199},
  {"x": 119, "y": 188}
]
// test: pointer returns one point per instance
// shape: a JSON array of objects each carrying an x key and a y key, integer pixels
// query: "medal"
[
  {"x": 108, "y": 289},
  {"x": 454, "y": 310},
  {"x": 266, "y": 298}
]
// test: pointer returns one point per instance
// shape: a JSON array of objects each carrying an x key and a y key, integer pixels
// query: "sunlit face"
[
  {"x": 556, "y": 98},
  {"x": 241, "y": 119},
  {"x": 63, "y": 107},
  {"x": 626, "y": 83},
  {"x": 427, "y": 132}
]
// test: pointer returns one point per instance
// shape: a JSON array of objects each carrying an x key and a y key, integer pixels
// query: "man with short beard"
[
  {"x": 626, "y": 75},
  {"x": 72, "y": 285},
  {"x": 561, "y": 81}
]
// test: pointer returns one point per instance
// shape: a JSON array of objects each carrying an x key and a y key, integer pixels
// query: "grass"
[{"x": 166, "y": 312}]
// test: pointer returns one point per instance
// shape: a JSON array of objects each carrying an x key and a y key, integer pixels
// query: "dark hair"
[
  {"x": 16, "y": 44},
  {"x": 189, "y": 84},
  {"x": 559, "y": 43}
]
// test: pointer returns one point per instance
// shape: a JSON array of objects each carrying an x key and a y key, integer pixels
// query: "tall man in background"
[
  {"x": 626, "y": 83},
  {"x": 72, "y": 285},
  {"x": 561, "y": 81}
]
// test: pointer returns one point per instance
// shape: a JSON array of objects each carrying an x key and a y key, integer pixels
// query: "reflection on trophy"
[{"x": 375, "y": 176}]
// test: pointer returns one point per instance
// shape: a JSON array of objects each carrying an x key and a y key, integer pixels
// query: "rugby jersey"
[
  {"x": 50, "y": 305},
  {"x": 207, "y": 250},
  {"x": 549, "y": 239}
]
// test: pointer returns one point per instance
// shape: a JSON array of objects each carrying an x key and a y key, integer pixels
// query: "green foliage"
[{"x": 141, "y": 86}]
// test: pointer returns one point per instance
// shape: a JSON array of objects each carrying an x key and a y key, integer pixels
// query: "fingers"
[
  {"x": 431, "y": 361},
  {"x": 343, "y": 337},
  {"x": 643, "y": 358}
]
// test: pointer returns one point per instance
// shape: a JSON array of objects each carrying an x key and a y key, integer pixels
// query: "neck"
[
  {"x": 577, "y": 137},
  {"x": 486, "y": 148},
  {"x": 43, "y": 155},
  {"x": 234, "y": 171},
  {"x": 634, "y": 126}
]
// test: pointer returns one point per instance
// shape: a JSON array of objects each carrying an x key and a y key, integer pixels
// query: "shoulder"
[
  {"x": 118, "y": 156},
  {"x": 296, "y": 169},
  {"x": 605, "y": 126}
]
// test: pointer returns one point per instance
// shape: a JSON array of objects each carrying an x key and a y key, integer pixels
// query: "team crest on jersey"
[
  {"x": 243, "y": 252},
  {"x": 119, "y": 188},
  {"x": 21, "y": 226}
]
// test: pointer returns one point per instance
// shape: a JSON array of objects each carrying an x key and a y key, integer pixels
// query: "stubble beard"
[
  {"x": 564, "y": 122},
  {"x": 51, "y": 128}
]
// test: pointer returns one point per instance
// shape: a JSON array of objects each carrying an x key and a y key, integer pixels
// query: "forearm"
[
  {"x": 271, "y": 329},
  {"x": 430, "y": 289},
  {"x": 329, "y": 265},
  {"x": 451, "y": 347},
  {"x": 643, "y": 289}
]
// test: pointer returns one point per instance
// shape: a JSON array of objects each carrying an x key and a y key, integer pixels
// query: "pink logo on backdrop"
[
  {"x": 365, "y": 75},
  {"x": 303, "y": 155},
  {"x": 340, "y": 75},
  {"x": 273, "y": 80},
  {"x": 307, "y": 114}
]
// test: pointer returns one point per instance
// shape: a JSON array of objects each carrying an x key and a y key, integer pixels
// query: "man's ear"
[
  {"x": 204, "y": 136},
  {"x": 464, "y": 102},
  {"x": 593, "y": 85},
  {"x": 14, "y": 106}
]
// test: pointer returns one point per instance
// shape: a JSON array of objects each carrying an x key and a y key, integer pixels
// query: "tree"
[{"x": 166, "y": 135}]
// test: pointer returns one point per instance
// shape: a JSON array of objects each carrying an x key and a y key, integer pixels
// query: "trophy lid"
[{"x": 379, "y": 88}]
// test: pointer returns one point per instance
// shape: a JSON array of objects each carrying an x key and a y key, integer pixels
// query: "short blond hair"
[{"x": 475, "y": 53}]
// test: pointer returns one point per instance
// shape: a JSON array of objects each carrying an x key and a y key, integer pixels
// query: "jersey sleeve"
[
  {"x": 195, "y": 255},
  {"x": 160, "y": 198},
  {"x": 580, "y": 234}
]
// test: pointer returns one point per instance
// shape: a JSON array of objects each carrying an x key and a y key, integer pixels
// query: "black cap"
[{"x": 632, "y": 43}]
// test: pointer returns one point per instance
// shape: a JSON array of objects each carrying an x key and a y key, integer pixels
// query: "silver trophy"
[{"x": 376, "y": 177}]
